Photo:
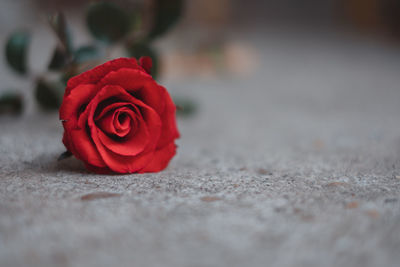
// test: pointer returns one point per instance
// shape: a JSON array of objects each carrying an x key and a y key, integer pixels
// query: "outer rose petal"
[
  {"x": 169, "y": 130},
  {"x": 72, "y": 103},
  {"x": 99, "y": 170},
  {"x": 138, "y": 83},
  {"x": 161, "y": 158},
  {"x": 146, "y": 63},
  {"x": 76, "y": 138},
  {"x": 94, "y": 75}
]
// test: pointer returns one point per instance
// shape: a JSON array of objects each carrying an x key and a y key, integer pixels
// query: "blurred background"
[{"x": 214, "y": 37}]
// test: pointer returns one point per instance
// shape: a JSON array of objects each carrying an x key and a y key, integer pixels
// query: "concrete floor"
[{"x": 295, "y": 165}]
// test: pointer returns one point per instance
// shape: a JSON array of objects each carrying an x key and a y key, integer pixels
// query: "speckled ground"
[{"x": 295, "y": 165}]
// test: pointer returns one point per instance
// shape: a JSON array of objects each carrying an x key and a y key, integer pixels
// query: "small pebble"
[
  {"x": 372, "y": 213},
  {"x": 263, "y": 172},
  {"x": 334, "y": 184},
  {"x": 210, "y": 199},
  {"x": 352, "y": 205},
  {"x": 98, "y": 195}
]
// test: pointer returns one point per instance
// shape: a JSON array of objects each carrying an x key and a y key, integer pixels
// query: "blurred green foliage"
[
  {"x": 11, "y": 103},
  {"x": 58, "y": 23},
  {"x": 58, "y": 60},
  {"x": 16, "y": 51},
  {"x": 107, "y": 22},
  {"x": 86, "y": 53},
  {"x": 48, "y": 94},
  {"x": 166, "y": 14},
  {"x": 110, "y": 25}
]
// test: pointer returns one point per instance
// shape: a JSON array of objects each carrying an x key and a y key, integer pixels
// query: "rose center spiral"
[{"x": 118, "y": 122}]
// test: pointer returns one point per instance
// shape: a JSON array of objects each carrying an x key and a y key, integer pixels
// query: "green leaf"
[
  {"x": 185, "y": 107},
  {"x": 49, "y": 94},
  {"x": 166, "y": 14},
  {"x": 16, "y": 51},
  {"x": 59, "y": 59},
  {"x": 107, "y": 22},
  {"x": 11, "y": 103},
  {"x": 58, "y": 23},
  {"x": 86, "y": 53},
  {"x": 139, "y": 50}
]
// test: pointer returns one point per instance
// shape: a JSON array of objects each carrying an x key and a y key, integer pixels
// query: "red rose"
[{"x": 116, "y": 118}]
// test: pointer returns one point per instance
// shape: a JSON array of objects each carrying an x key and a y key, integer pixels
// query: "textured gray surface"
[{"x": 297, "y": 165}]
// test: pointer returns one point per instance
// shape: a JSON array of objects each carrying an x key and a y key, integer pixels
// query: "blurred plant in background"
[{"x": 111, "y": 26}]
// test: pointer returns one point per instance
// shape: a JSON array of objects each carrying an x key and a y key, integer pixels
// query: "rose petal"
[
  {"x": 94, "y": 75},
  {"x": 161, "y": 158},
  {"x": 169, "y": 130},
  {"x": 146, "y": 63},
  {"x": 99, "y": 170},
  {"x": 76, "y": 138},
  {"x": 140, "y": 84},
  {"x": 76, "y": 101},
  {"x": 114, "y": 106},
  {"x": 84, "y": 148},
  {"x": 126, "y": 164},
  {"x": 122, "y": 120}
]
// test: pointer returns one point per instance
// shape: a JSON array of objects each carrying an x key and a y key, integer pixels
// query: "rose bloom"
[{"x": 116, "y": 118}]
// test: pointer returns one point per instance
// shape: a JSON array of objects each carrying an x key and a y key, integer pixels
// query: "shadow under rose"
[{"x": 49, "y": 163}]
